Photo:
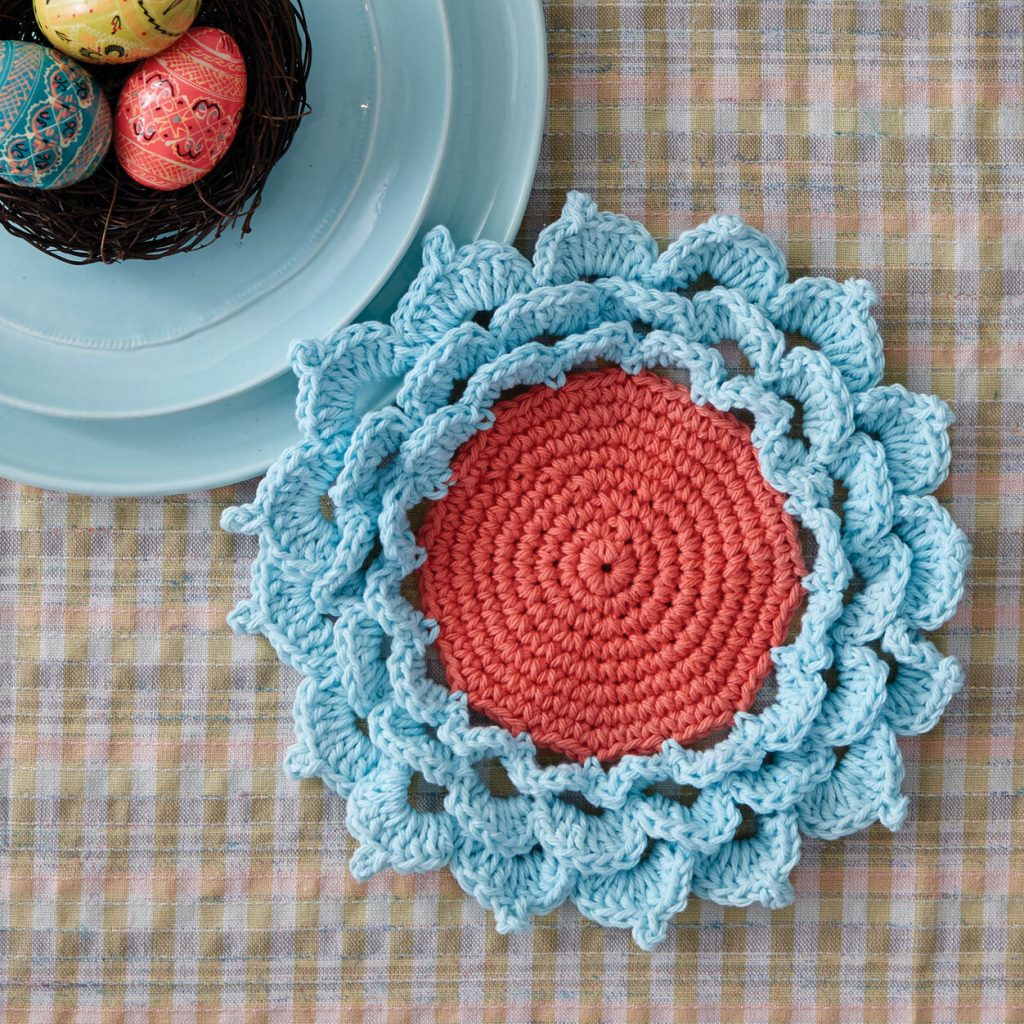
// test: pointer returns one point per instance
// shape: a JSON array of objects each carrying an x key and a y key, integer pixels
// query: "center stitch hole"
[
  {"x": 581, "y": 803},
  {"x": 687, "y": 796},
  {"x": 493, "y": 775},
  {"x": 425, "y": 796},
  {"x": 748, "y": 824},
  {"x": 703, "y": 283}
]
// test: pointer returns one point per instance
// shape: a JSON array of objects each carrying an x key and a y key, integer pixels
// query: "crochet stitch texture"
[
  {"x": 609, "y": 568},
  {"x": 385, "y": 409}
]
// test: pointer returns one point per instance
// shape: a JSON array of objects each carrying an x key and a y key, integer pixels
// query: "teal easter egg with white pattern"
[{"x": 55, "y": 123}]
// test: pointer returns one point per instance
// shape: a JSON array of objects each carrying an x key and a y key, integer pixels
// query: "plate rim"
[
  {"x": 201, "y": 336},
  {"x": 258, "y": 463}
]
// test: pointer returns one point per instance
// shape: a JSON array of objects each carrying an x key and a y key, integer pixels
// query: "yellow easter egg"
[{"x": 114, "y": 31}]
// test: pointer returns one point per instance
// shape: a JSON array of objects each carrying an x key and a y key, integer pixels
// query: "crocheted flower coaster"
[{"x": 640, "y": 614}]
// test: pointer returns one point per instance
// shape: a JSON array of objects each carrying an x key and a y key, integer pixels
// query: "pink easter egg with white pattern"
[{"x": 178, "y": 114}]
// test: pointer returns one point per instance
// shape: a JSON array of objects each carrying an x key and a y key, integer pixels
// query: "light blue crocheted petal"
[
  {"x": 923, "y": 681},
  {"x": 800, "y": 687},
  {"x": 939, "y": 553},
  {"x": 332, "y": 735},
  {"x": 825, "y": 585},
  {"x": 795, "y": 456},
  {"x": 884, "y": 572},
  {"x": 358, "y": 647},
  {"x": 402, "y": 738},
  {"x": 837, "y": 319},
  {"x": 376, "y": 439},
  {"x": 476, "y": 743},
  {"x": 286, "y": 513},
  {"x": 455, "y": 285},
  {"x": 772, "y": 416},
  {"x": 644, "y": 898},
  {"x": 501, "y": 824},
  {"x": 790, "y": 463},
  {"x": 411, "y": 682},
  {"x": 810, "y": 379},
  {"x": 862, "y": 469},
  {"x": 723, "y": 314},
  {"x": 701, "y": 826},
  {"x": 863, "y": 788},
  {"x": 552, "y": 311},
  {"x": 424, "y": 459},
  {"x": 591, "y": 840},
  {"x": 662, "y": 348},
  {"x": 584, "y": 242},
  {"x": 390, "y": 831},
  {"x": 855, "y": 699},
  {"x": 429, "y": 385},
  {"x": 754, "y": 870},
  {"x": 913, "y": 430},
  {"x": 735, "y": 255},
  {"x": 341, "y": 378},
  {"x": 799, "y": 692},
  {"x": 513, "y": 887},
  {"x": 779, "y": 783},
  {"x": 282, "y": 610},
  {"x": 634, "y": 302},
  {"x": 330, "y": 739},
  {"x": 246, "y": 617},
  {"x": 357, "y": 498}
]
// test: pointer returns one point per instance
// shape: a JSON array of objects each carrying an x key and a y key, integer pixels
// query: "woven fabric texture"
[{"x": 156, "y": 864}]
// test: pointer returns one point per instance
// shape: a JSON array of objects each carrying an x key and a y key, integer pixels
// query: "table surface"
[{"x": 155, "y": 862}]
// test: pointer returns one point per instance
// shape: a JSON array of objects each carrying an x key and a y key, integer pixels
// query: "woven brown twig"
[{"x": 109, "y": 218}]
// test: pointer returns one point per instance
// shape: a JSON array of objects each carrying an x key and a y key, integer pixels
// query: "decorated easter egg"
[
  {"x": 114, "y": 31},
  {"x": 54, "y": 120},
  {"x": 178, "y": 114}
]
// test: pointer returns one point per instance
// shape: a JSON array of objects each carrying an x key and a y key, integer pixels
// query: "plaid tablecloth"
[{"x": 155, "y": 863}]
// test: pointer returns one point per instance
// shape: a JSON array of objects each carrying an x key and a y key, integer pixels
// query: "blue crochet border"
[{"x": 380, "y": 426}]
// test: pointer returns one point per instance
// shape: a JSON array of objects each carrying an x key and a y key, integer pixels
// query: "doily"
[{"x": 659, "y": 561}]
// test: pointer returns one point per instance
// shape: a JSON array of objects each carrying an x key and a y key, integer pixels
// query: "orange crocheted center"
[{"x": 609, "y": 568}]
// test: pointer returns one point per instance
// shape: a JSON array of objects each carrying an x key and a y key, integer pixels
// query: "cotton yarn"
[
  {"x": 387, "y": 411},
  {"x": 609, "y": 569}
]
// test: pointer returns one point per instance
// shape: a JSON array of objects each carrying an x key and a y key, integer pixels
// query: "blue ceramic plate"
[
  {"x": 498, "y": 104},
  {"x": 338, "y": 213}
]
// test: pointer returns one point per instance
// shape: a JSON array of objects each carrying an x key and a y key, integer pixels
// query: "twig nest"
[{"x": 109, "y": 217}]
